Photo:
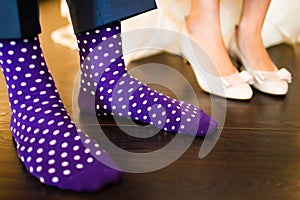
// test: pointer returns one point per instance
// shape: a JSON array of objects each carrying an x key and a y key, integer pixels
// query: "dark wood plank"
[{"x": 256, "y": 156}]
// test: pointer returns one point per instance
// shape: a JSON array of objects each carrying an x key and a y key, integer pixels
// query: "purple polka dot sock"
[
  {"x": 48, "y": 143},
  {"x": 106, "y": 84}
]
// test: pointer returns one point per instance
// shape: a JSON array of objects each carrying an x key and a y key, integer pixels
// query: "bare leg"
[
  {"x": 203, "y": 25},
  {"x": 249, "y": 34}
]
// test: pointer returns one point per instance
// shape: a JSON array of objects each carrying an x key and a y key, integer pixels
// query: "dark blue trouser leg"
[{"x": 20, "y": 18}]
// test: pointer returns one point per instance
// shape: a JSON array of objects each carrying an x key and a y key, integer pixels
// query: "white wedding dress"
[{"x": 160, "y": 29}]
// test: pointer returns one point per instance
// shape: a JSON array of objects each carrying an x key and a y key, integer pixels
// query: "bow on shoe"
[
  {"x": 282, "y": 74},
  {"x": 236, "y": 79}
]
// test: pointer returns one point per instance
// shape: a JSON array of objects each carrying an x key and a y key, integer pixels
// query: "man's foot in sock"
[
  {"x": 48, "y": 143},
  {"x": 106, "y": 84}
]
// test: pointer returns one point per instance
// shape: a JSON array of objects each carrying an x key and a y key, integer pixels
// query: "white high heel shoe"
[
  {"x": 274, "y": 82},
  {"x": 235, "y": 86}
]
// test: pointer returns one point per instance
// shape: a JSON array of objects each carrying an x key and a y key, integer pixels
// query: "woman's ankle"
[{"x": 251, "y": 45}]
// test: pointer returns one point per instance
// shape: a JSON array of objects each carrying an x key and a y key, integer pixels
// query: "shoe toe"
[
  {"x": 239, "y": 92},
  {"x": 279, "y": 87}
]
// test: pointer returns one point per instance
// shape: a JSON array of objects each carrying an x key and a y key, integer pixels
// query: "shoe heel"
[{"x": 236, "y": 61}]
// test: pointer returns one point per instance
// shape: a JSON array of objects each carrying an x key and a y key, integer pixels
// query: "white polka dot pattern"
[
  {"x": 48, "y": 142},
  {"x": 103, "y": 74}
]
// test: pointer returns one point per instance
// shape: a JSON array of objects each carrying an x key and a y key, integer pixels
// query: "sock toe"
[{"x": 92, "y": 179}]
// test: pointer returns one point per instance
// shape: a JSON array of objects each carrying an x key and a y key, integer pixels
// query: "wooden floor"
[{"x": 256, "y": 157}]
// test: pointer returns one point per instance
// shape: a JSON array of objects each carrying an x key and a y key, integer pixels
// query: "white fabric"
[{"x": 282, "y": 25}]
